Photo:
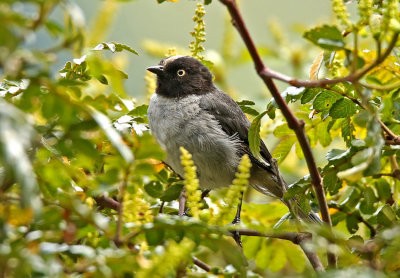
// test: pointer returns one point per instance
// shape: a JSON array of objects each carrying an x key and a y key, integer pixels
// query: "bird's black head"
[{"x": 180, "y": 76}]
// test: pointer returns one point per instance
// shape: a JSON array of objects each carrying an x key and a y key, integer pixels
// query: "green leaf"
[
  {"x": 367, "y": 204},
  {"x": 309, "y": 94},
  {"x": 249, "y": 110},
  {"x": 154, "y": 236},
  {"x": 331, "y": 183},
  {"x": 278, "y": 260},
  {"x": 263, "y": 257},
  {"x": 384, "y": 190},
  {"x": 336, "y": 154},
  {"x": 114, "y": 47},
  {"x": 352, "y": 224},
  {"x": 386, "y": 216},
  {"x": 283, "y": 130},
  {"x": 296, "y": 258},
  {"x": 325, "y": 100},
  {"x": 114, "y": 137},
  {"x": 16, "y": 137},
  {"x": 139, "y": 111},
  {"x": 283, "y": 148},
  {"x": 326, "y": 37},
  {"x": 324, "y": 136},
  {"x": 254, "y": 135},
  {"x": 245, "y": 102},
  {"x": 154, "y": 189},
  {"x": 102, "y": 79},
  {"x": 343, "y": 108},
  {"x": 172, "y": 193}
]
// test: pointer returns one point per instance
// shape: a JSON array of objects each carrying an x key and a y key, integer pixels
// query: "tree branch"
[
  {"x": 106, "y": 202},
  {"x": 295, "y": 124},
  {"x": 201, "y": 264},
  {"x": 300, "y": 239}
]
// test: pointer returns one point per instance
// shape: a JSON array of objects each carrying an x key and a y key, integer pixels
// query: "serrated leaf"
[
  {"x": 254, "y": 134},
  {"x": 249, "y": 110},
  {"x": 283, "y": 130},
  {"x": 325, "y": 100},
  {"x": 324, "y": 136},
  {"x": 326, "y": 37},
  {"x": 309, "y": 94},
  {"x": 245, "y": 102},
  {"x": 386, "y": 216},
  {"x": 336, "y": 154},
  {"x": 343, "y": 108},
  {"x": 367, "y": 204},
  {"x": 172, "y": 192},
  {"x": 283, "y": 148},
  {"x": 331, "y": 182},
  {"x": 384, "y": 190}
]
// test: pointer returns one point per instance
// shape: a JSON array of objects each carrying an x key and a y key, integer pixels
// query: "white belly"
[{"x": 181, "y": 122}]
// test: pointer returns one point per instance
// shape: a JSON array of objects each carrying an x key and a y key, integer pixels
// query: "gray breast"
[{"x": 181, "y": 122}]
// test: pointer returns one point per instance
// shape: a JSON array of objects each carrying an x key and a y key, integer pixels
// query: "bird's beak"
[{"x": 156, "y": 69}]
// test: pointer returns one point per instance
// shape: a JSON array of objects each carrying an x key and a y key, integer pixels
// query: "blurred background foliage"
[{"x": 82, "y": 187}]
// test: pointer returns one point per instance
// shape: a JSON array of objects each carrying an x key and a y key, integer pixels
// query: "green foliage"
[{"x": 83, "y": 188}]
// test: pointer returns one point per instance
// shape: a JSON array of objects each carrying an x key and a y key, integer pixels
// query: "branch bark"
[
  {"x": 106, "y": 202},
  {"x": 294, "y": 123},
  {"x": 201, "y": 264}
]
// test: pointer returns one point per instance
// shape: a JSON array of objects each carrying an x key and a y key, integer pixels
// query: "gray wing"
[{"x": 233, "y": 121}]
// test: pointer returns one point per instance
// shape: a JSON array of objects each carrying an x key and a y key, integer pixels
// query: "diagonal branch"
[
  {"x": 300, "y": 239},
  {"x": 294, "y": 123}
]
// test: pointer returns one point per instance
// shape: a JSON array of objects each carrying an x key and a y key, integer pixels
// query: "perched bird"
[{"x": 188, "y": 110}]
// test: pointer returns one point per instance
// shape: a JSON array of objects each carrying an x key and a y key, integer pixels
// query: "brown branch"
[
  {"x": 300, "y": 239},
  {"x": 355, "y": 76},
  {"x": 294, "y": 123},
  {"x": 201, "y": 264},
  {"x": 106, "y": 202}
]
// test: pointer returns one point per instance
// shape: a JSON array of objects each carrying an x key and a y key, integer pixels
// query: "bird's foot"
[{"x": 235, "y": 234}]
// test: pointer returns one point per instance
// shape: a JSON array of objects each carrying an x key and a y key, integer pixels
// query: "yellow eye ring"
[{"x": 181, "y": 72}]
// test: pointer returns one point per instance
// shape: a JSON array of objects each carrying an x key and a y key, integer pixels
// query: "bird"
[{"x": 188, "y": 110}]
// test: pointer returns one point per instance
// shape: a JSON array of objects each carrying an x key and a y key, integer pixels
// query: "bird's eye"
[{"x": 181, "y": 72}]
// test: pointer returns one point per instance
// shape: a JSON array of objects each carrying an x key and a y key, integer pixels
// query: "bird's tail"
[{"x": 295, "y": 209}]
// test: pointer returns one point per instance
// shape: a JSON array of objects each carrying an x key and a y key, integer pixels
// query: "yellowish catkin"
[
  {"x": 136, "y": 209},
  {"x": 390, "y": 15},
  {"x": 198, "y": 34},
  {"x": 164, "y": 265},
  {"x": 365, "y": 9},
  {"x": 193, "y": 194},
  {"x": 340, "y": 11},
  {"x": 239, "y": 185}
]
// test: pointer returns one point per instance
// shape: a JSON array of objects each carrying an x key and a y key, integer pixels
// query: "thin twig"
[
  {"x": 106, "y": 202},
  {"x": 201, "y": 264},
  {"x": 294, "y": 123}
]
